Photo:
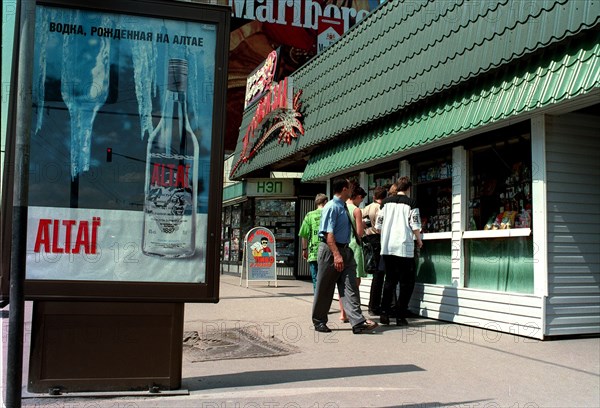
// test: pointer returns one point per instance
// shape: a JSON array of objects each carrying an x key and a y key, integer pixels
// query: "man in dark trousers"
[
  {"x": 370, "y": 212},
  {"x": 399, "y": 223},
  {"x": 337, "y": 265}
]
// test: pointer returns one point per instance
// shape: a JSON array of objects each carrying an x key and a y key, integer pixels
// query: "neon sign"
[
  {"x": 284, "y": 117},
  {"x": 260, "y": 80}
]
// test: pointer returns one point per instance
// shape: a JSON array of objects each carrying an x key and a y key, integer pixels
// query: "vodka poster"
[{"x": 120, "y": 147}]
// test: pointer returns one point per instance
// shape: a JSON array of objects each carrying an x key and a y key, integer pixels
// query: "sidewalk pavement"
[{"x": 428, "y": 364}]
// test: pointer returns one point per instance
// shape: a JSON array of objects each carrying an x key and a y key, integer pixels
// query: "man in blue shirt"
[{"x": 337, "y": 265}]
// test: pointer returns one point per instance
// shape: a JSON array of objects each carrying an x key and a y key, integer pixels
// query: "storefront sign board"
[{"x": 270, "y": 187}]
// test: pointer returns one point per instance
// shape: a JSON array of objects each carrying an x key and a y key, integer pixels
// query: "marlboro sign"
[{"x": 330, "y": 29}]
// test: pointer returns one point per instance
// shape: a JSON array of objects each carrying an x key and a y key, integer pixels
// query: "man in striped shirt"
[{"x": 399, "y": 223}]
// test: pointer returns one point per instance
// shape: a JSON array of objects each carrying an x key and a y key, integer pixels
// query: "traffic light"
[{"x": 109, "y": 154}]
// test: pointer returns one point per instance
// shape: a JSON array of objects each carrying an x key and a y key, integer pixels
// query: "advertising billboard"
[
  {"x": 125, "y": 159},
  {"x": 291, "y": 27}
]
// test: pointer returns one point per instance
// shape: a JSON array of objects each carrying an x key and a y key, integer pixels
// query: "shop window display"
[
  {"x": 234, "y": 250},
  {"x": 433, "y": 191},
  {"x": 237, "y": 220},
  {"x": 500, "y": 200},
  {"x": 279, "y": 217},
  {"x": 500, "y": 185},
  {"x": 226, "y": 234},
  {"x": 381, "y": 179}
]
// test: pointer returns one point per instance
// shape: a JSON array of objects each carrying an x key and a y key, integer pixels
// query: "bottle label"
[{"x": 169, "y": 205}]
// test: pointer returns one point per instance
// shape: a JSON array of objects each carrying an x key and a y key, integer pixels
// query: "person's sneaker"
[
  {"x": 401, "y": 321},
  {"x": 384, "y": 319},
  {"x": 322, "y": 327},
  {"x": 367, "y": 325}
]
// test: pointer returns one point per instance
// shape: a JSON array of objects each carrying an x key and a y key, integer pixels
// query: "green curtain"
[
  {"x": 434, "y": 264},
  {"x": 501, "y": 264}
]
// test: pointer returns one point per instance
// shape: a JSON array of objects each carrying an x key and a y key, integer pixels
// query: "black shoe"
[
  {"x": 322, "y": 327},
  {"x": 364, "y": 326},
  {"x": 401, "y": 321},
  {"x": 384, "y": 319}
]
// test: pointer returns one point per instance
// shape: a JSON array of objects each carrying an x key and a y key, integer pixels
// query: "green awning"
[
  {"x": 552, "y": 78},
  {"x": 407, "y": 54}
]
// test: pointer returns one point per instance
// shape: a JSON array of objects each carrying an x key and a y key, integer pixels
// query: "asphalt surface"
[{"x": 428, "y": 364}]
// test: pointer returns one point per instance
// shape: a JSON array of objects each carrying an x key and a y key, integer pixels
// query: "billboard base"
[{"x": 80, "y": 346}]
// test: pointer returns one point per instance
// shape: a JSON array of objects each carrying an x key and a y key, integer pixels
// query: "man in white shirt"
[{"x": 399, "y": 224}]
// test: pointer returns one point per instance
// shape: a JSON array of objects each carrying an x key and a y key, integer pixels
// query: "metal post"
[{"x": 24, "y": 37}]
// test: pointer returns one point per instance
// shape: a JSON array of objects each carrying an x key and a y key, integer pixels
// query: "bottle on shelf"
[{"x": 171, "y": 185}]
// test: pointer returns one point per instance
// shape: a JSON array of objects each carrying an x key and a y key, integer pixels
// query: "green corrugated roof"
[
  {"x": 405, "y": 52},
  {"x": 539, "y": 84}
]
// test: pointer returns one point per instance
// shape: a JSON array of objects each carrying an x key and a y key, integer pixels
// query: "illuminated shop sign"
[
  {"x": 277, "y": 113},
  {"x": 260, "y": 80},
  {"x": 304, "y": 14}
]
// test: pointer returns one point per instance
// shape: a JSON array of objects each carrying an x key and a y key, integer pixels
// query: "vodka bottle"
[{"x": 171, "y": 186}]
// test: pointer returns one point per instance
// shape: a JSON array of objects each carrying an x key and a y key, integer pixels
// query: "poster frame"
[{"x": 207, "y": 291}]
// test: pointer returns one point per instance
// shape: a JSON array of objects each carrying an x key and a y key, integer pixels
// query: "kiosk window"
[
  {"x": 500, "y": 185},
  {"x": 433, "y": 191},
  {"x": 500, "y": 199}
]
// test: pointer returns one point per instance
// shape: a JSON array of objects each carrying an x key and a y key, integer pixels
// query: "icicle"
[
  {"x": 39, "y": 88},
  {"x": 84, "y": 88},
  {"x": 99, "y": 93},
  {"x": 144, "y": 56},
  {"x": 197, "y": 91}
]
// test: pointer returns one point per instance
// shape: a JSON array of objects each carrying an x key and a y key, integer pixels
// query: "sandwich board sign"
[{"x": 259, "y": 258}]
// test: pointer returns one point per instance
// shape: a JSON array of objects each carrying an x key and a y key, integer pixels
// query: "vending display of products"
[
  {"x": 235, "y": 245},
  {"x": 279, "y": 217},
  {"x": 380, "y": 180},
  {"x": 237, "y": 221},
  {"x": 170, "y": 194},
  {"x": 440, "y": 171},
  {"x": 433, "y": 191},
  {"x": 500, "y": 186}
]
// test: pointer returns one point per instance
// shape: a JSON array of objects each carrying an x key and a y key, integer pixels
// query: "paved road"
[{"x": 428, "y": 364}]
